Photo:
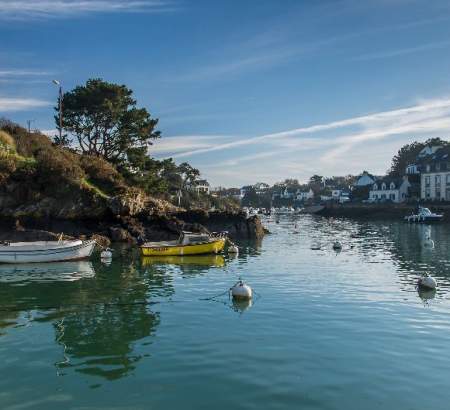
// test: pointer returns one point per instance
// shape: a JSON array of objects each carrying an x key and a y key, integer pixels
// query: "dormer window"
[
  {"x": 375, "y": 187},
  {"x": 392, "y": 186},
  {"x": 438, "y": 166},
  {"x": 428, "y": 168},
  {"x": 383, "y": 186}
]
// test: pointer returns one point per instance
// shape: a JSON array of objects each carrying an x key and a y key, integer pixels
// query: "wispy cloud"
[
  {"x": 402, "y": 51},
  {"x": 20, "y": 72},
  {"x": 323, "y": 148},
  {"x": 21, "y": 104},
  {"x": 42, "y": 9}
]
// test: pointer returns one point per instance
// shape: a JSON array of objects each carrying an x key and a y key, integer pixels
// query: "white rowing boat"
[{"x": 45, "y": 251}]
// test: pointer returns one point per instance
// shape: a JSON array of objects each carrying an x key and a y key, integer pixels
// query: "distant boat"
[
  {"x": 45, "y": 251},
  {"x": 424, "y": 215}
]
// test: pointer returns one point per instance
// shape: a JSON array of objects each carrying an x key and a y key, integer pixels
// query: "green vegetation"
[
  {"x": 408, "y": 155},
  {"x": 104, "y": 150}
]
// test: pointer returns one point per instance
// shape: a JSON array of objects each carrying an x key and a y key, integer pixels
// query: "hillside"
[{"x": 47, "y": 187}]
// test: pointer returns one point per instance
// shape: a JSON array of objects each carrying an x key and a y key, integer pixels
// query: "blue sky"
[{"x": 246, "y": 91}]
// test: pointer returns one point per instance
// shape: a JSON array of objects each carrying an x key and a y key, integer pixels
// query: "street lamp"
[{"x": 57, "y": 83}]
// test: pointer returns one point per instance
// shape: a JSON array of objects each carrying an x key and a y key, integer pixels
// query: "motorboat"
[
  {"x": 424, "y": 215},
  {"x": 45, "y": 251},
  {"x": 187, "y": 244}
]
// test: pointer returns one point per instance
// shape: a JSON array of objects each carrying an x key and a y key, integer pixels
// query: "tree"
[
  {"x": 407, "y": 155},
  {"x": 188, "y": 174},
  {"x": 105, "y": 121}
]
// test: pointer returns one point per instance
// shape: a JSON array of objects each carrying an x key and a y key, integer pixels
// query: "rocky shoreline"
[{"x": 132, "y": 229}]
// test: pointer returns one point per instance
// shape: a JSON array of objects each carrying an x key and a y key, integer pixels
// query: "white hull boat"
[{"x": 45, "y": 251}]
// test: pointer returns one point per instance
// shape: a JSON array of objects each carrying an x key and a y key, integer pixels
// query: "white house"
[
  {"x": 201, "y": 186},
  {"x": 435, "y": 176},
  {"x": 304, "y": 195},
  {"x": 393, "y": 189},
  {"x": 365, "y": 179}
]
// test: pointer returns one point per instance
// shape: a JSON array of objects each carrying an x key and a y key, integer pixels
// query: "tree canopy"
[
  {"x": 105, "y": 121},
  {"x": 407, "y": 155}
]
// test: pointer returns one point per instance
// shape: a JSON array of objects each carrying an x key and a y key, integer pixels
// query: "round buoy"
[
  {"x": 337, "y": 246},
  {"x": 427, "y": 282},
  {"x": 233, "y": 249},
  {"x": 106, "y": 254},
  {"x": 241, "y": 291}
]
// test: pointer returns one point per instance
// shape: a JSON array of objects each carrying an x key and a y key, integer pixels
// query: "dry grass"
[{"x": 7, "y": 141}]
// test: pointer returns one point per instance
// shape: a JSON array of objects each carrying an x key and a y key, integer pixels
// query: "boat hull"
[
  {"x": 80, "y": 251},
  {"x": 215, "y": 246}
]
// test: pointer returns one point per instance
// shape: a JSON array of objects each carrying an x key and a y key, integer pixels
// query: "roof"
[
  {"x": 388, "y": 180},
  {"x": 202, "y": 182},
  {"x": 365, "y": 173}
]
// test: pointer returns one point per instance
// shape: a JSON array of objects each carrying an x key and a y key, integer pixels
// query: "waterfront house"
[
  {"x": 304, "y": 195},
  {"x": 201, "y": 186},
  {"x": 365, "y": 179},
  {"x": 435, "y": 175},
  {"x": 392, "y": 189}
]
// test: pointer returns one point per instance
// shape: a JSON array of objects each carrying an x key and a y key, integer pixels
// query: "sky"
[{"x": 248, "y": 90}]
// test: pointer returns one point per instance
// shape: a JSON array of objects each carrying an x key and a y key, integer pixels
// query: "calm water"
[{"x": 328, "y": 330}]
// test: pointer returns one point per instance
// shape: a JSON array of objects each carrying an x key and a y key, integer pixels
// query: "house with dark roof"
[
  {"x": 364, "y": 179},
  {"x": 389, "y": 189},
  {"x": 435, "y": 175}
]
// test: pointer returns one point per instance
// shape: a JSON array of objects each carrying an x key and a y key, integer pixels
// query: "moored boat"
[
  {"x": 187, "y": 244},
  {"x": 424, "y": 215},
  {"x": 45, "y": 251}
]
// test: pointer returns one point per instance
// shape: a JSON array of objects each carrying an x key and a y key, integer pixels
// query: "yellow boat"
[{"x": 187, "y": 244}]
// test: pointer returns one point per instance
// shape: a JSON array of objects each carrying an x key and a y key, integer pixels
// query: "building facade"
[
  {"x": 435, "y": 176},
  {"x": 390, "y": 189}
]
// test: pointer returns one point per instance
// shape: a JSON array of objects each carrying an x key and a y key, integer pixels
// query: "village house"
[
  {"x": 304, "y": 195},
  {"x": 201, "y": 186},
  {"x": 390, "y": 189},
  {"x": 365, "y": 179},
  {"x": 435, "y": 175}
]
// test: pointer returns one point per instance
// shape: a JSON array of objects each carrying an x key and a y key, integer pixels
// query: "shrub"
[
  {"x": 101, "y": 173},
  {"x": 57, "y": 166},
  {"x": 7, "y": 141}
]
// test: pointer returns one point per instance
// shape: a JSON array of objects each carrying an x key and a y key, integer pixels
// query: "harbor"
[{"x": 325, "y": 329}]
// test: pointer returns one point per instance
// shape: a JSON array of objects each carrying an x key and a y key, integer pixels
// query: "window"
[
  {"x": 438, "y": 166},
  {"x": 392, "y": 197},
  {"x": 427, "y": 181},
  {"x": 437, "y": 180},
  {"x": 392, "y": 186},
  {"x": 447, "y": 179},
  {"x": 428, "y": 168},
  {"x": 427, "y": 192},
  {"x": 447, "y": 194},
  {"x": 383, "y": 186},
  {"x": 375, "y": 186},
  {"x": 438, "y": 193}
]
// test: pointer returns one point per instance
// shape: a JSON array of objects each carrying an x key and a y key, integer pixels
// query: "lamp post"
[{"x": 58, "y": 83}]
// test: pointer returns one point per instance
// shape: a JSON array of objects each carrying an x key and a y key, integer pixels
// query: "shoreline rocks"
[{"x": 132, "y": 229}]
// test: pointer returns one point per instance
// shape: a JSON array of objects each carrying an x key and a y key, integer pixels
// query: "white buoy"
[
  {"x": 106, "y": 254},
  {"x": 241, "y": 291},
  {"x": 233, "y": 249},
  {"x": 337, "y": 246},
  {"x": 427, "y": 282}
]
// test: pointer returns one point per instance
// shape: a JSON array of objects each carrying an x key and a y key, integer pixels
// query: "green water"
[{"x": 328, "y": 330}]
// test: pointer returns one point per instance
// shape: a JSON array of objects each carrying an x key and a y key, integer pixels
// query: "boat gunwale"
[
  {"x": 5, "y": 252},
  {"x": 178, "y": 245}
]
